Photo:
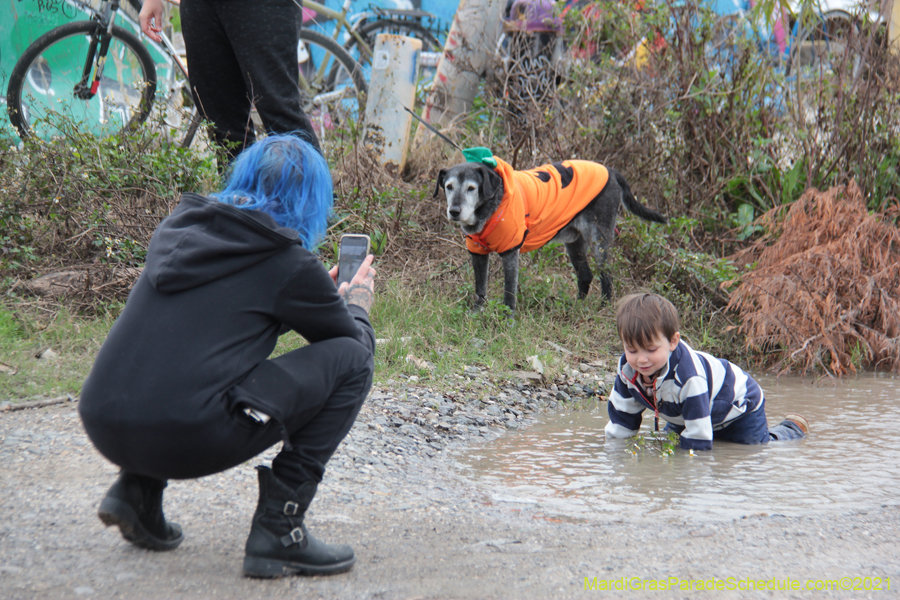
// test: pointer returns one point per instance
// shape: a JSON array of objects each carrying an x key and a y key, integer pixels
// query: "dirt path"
[{"x": 419, "y": 531}]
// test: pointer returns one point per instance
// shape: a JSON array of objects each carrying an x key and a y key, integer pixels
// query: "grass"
[
  {"x": 24, "y": 337},
  {"x": 426, "y": 330},
  {"x": 425, "y": 326}
]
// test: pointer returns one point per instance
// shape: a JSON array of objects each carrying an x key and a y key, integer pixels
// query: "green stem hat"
[{"x": 480, "y": 154}]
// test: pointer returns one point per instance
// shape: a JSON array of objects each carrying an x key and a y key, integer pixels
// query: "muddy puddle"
[{"x": 564, "y": 468}]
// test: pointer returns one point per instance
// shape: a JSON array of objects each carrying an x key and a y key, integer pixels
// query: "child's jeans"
[{"x": 752, "y": 429}]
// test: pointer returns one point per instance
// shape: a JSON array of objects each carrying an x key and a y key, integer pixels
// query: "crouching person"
[{"x": 183, "y": 387}]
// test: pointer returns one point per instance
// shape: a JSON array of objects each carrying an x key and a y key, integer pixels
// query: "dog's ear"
[
  {"x": 490, "y": 182},
  {"x": 440, "y": 182}
]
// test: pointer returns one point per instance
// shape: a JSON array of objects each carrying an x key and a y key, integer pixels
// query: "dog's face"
[{"x": 473, "y": 192}]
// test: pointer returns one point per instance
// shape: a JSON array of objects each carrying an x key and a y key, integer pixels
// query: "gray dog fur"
[{"x": 473, "y": 192}]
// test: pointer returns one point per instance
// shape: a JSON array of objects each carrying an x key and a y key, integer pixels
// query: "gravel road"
[{"x": 419, "y": 529}]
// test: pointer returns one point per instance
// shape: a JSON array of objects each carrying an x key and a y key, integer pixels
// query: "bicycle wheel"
[
  {"x": 823, "y": 56},
  {"x": 394, "y": 27},
  {"x": 330, "y": 105},
  {"x": 42, "y": 99}
]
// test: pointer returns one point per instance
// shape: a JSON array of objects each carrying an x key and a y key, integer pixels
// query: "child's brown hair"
[{"x": 640, "y": 318}]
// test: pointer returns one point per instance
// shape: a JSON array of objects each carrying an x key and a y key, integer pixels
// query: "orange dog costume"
[{"x": 538, "y": 203}]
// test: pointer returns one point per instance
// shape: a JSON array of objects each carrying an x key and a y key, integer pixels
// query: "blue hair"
[{"x": 286, "y": 178}]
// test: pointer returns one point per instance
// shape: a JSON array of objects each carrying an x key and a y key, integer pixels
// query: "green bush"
[{"x": 84, "y": 200}]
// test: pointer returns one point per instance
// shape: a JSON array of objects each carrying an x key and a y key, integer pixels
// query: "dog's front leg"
[
  {"x": 480, "y": 267},
  {"x": 510, "y": 277}
]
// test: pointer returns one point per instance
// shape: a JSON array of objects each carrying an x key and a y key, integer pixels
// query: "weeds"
[
  {"x": 660, "y": 443},
  {"x": 91, "y": 204},
  {"x": 707, "y": 137},
  {"x": 824, "y": 295}
]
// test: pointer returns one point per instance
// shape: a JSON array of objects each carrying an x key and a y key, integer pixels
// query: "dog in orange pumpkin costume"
[{"x": 502, "y": 210}]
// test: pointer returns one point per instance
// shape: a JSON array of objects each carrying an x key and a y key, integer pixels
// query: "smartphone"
[{"x": 353, "y": 251}]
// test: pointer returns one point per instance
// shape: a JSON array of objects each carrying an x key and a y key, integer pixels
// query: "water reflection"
[{"x": 851, "y": 461}]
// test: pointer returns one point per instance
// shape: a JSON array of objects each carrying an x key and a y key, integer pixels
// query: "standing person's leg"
[
  {"x": 318, "y": 391},
  {"x": 217, "y": 80},
  {"x": 265, "y": 35}
]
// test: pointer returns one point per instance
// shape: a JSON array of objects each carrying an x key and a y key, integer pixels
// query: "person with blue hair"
[{"x": 184, "y": 385}]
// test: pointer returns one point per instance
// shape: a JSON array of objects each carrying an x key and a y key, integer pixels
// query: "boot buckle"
[
  {"x": 291, "y": 508},
  {"x": 294, "y": 537}
]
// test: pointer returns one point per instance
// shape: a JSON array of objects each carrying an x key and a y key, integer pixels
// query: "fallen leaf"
[{"x": 419, "y": 363}]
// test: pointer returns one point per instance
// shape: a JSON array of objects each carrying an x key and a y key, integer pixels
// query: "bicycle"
[
  {"x": 412, "y": 23},
  {"x": 360, "y": 32},
  {"x": 49, "y": 78},
  {"x": 103, "y": 101}
]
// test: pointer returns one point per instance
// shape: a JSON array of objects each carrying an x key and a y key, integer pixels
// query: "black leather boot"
[
  {"x": 279, "y": 543},
  {"x": 134, "y": 504}
]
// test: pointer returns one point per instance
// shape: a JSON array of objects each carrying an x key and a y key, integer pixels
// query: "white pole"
[
  {"x": 894, "y": 29},
  {"x": 395, "y": 70},
  {"x": 467, "y": 54}
]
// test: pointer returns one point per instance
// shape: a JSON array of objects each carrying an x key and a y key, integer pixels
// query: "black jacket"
[{"x": 219, "y": 286}]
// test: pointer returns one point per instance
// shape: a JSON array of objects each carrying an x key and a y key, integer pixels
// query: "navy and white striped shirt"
[{"x": 694, "y": 390}]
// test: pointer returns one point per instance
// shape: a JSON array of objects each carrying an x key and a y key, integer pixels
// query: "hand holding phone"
[{"x": 353, "y": 251}]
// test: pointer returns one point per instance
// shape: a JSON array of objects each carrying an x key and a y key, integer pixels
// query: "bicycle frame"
[
  {"x": 340, "y": 19},
  {"x": 106, "y": 16}
]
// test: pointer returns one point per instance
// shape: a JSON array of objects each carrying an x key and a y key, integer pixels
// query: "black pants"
[
  {"x": 318, "y": 391},
  {"x": 323, "y": 387},
  {"x": 241, "y": 52}
]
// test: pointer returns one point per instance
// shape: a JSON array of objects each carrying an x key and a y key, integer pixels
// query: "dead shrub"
[
  {"x": 410, "y": 232},
  {"x": 826, "y": 292},
  {"x": 82, "y": 212}
]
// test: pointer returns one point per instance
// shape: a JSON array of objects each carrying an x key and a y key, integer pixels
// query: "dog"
[{"x": 501, "y": 210}]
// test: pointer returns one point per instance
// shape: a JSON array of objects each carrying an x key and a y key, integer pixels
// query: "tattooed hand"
[{"x": 361, "y": 289}]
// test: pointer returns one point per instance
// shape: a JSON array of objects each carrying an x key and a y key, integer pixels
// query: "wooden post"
[
  {"x": 894, "y": 26},
  {"x": 395, "y": 71}
]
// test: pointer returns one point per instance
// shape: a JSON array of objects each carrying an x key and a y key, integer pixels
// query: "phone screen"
[{"x": 353, "y": 251}]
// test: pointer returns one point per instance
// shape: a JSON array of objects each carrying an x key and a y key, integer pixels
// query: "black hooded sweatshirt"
[{"x": 219, "y": 286}]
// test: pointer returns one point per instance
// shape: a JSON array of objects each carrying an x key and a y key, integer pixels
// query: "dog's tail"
[{"x": 633, "y": 205}]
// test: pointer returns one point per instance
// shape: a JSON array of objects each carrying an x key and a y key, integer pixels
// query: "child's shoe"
[{"x": 802, "y": 423}]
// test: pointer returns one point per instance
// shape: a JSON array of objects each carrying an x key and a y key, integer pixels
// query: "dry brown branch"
[
  {"x": 826, "y": 294},
  {"x": 524, "y": 88}
]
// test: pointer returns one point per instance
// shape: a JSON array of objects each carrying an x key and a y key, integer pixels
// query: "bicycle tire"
[
  {"x": 392, "y": 26},
  {"x": 121, "y": 103},
  {"x": 331, "y": 103}
]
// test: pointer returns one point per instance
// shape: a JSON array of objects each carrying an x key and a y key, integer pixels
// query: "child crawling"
[{"x": 703, "y": 398}]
